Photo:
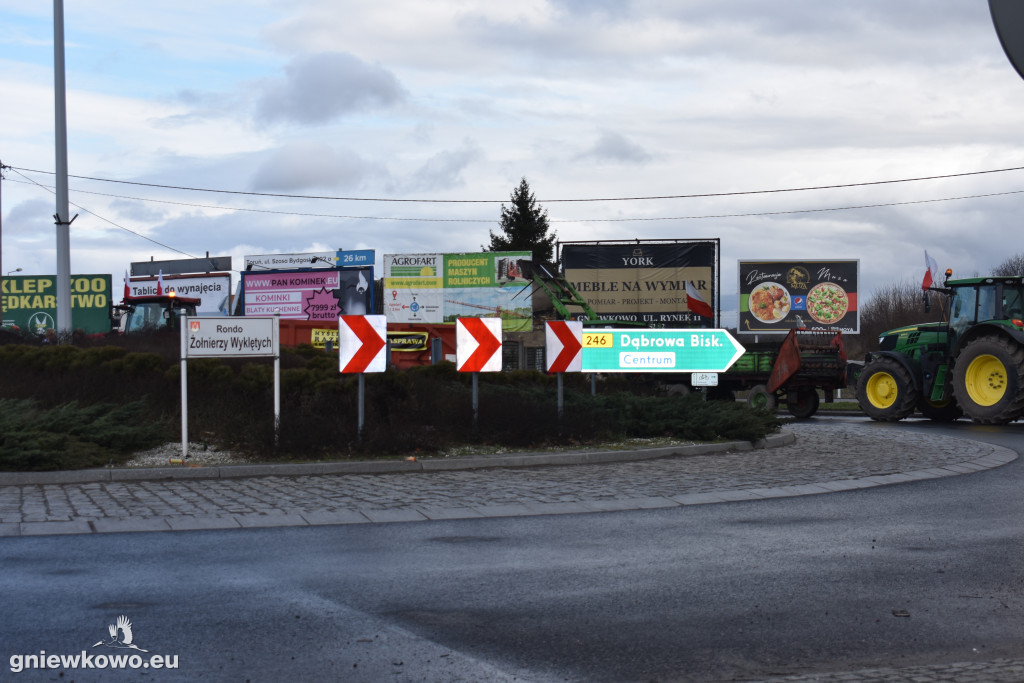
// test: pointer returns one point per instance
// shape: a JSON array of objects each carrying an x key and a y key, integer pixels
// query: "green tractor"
[{"x": 971, "y": 364}]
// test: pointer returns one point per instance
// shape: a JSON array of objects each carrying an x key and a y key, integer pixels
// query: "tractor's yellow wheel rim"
[
  {"x": 985, "y": 380},
  {"x": 881, "y": 390}
]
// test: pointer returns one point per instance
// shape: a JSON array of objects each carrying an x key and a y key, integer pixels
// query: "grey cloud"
[
  {"x": 32, "y": 216},
  {"x": 308, "y": 165},
  {"x": 322, "y": 87},
  {"x": 615, "y": 147},
  {"x": 444, "y": 169}
]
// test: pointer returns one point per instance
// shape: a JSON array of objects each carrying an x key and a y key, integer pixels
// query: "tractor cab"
[{"x": 155, "y": 313}]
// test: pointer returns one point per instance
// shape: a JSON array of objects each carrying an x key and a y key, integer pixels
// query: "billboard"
[
  {"x": 315, "y": 259},
  {"x": 645, "y": 281},
  {"x": 213, "y": 290},
  {"x": 777, "y": 296},
  {"x": 30, "y": 302},
  {"x": 440, "y": 288},
  {"x": 190, "y": 265},
  {"x": 308, "y": 294}
]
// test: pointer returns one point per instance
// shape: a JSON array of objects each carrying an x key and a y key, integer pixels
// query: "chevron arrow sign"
[
  {"x": 361, "y": 345},
  {"x": 563, "y": 346},
  {"x": 478, "y": 345}
]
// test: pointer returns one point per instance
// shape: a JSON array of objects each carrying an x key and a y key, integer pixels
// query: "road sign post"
[
  {"x": 563, "y": 346},
  {"x": 477, "y": 349},
  {"x": 362, "y": 348},
  {"x": 229, "y": 337}
]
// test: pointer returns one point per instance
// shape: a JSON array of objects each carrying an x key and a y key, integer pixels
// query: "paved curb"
[
  {"x": 385, "y": 466},
  {"x": 998, "y": 457}
]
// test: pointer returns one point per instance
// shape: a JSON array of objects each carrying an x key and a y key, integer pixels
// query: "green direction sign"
[{"x": 659, "y": 350}]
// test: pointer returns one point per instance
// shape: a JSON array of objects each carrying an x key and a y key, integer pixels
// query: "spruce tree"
[{"x": 524, "y": 227}]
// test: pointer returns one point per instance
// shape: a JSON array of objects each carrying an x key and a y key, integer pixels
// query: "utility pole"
[
  {"x": 1, "y": 245},
  {"x": 61, "y": 218}
]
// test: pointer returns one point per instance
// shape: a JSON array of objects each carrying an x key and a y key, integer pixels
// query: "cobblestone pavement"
[{"x": 825, "y": 457}]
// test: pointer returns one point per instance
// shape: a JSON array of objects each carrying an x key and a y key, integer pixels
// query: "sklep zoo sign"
[{"x": 30, "y": 303}]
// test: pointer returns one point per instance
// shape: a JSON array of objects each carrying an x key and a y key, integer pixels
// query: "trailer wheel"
[
  {"x": 803, "y": 402},
  {"x": 760, "y": 398},
  {"x": 886, "y": 391},
  {"x": 940, "y": 411},
  {"x": 988, "y": 380}
]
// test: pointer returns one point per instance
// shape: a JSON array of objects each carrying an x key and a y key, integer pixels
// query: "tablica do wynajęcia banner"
[
  {"x": 30, "y": 303},
  {"x": 819, "y": 296},
  {"x": 644, "y": 281},
  {"x": 309, "y": 294},
  {"x": 440, "y": 288}
]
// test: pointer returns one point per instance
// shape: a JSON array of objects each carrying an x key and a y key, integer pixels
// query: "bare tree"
[
  {"x": 891, "y": 306},
  {"x": 1011, "y": 266}
]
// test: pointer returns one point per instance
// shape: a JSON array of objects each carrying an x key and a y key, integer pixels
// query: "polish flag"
[
  {"x": 697, "y": 304},
  {"x": 931, "y": 271},
  {"x": 127, "y": 289},
  {"x": 160, "y": 282}
]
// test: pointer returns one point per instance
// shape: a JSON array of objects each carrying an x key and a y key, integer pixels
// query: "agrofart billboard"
[
  {"x": 30, "y": 303},
  {"x": 777, "y": 296},
  {"x": 645, "y": 280},
  {"x": 309, "y": 294},
  {"x": 440, "y": 288}
]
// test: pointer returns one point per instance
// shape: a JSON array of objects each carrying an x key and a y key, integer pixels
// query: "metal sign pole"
[
  {"x": 561, "y": 396},
  {"x": 476, "y": 401},
  {"x": 362, "y": 404},
  {"x": 184, "y": 388},
  {"x": 277, "y": 377}
]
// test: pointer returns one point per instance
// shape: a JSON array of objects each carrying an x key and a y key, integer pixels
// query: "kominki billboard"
[{"x": 309, "y": 294}]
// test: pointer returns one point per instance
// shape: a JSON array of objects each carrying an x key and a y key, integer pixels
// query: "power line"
[
  {"x": 92, "y": 213},
  {"x": 543, "y": 201},
  {"x": 551, "y": 220}
]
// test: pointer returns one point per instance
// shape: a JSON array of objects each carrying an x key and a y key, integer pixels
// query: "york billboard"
[{"x": 645, "y": 281}]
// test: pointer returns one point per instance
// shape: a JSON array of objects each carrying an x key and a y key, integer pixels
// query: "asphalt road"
[{"x": 922, "y": 573}]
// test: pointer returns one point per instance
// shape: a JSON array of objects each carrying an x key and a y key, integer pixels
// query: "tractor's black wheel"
[
  {"x": 760, "y": 398},
  {"x": 886, "y": 390},
  {"x": 721, "y": 394},
  {"x": 802, "y": 402},
  {"x": 988, "y": 380},
  {"x": 940, "y": 411}
]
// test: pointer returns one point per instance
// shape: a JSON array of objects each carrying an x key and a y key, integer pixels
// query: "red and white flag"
[
  {"x": 127, "y": 289},
  {"x": 160, "y": 282},
  {"x": 696, "y": 303},
  {"x": 931, "y": 271}
]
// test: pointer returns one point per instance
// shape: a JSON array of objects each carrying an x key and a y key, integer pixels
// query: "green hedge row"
[{"x": 67, "y": 407}]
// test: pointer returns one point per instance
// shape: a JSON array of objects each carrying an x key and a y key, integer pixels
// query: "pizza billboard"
[
  {"x": 645, "y": 281},
  {"x": 778, "y": 296},
  {"x": 440, "y": 288}
]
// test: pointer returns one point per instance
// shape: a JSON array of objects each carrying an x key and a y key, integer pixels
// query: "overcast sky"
[{"x": 459, "y": 99}]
